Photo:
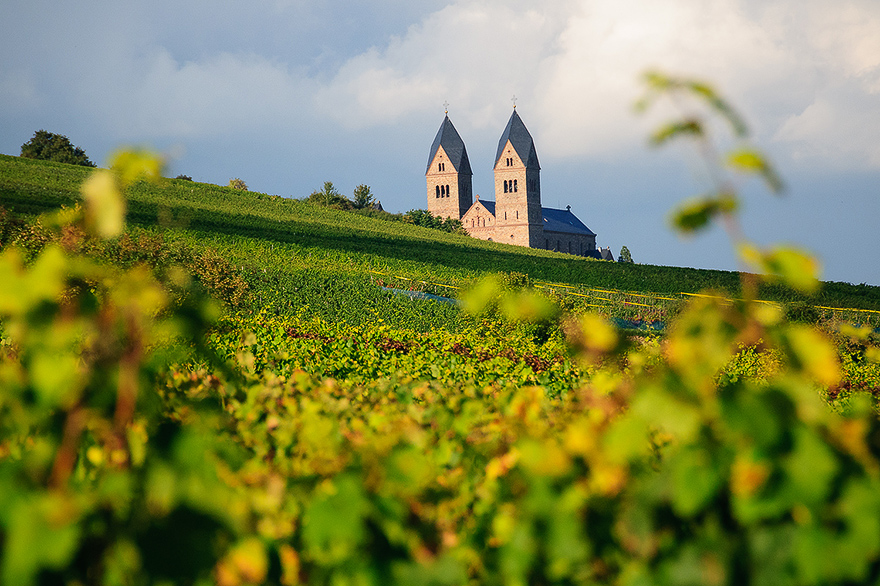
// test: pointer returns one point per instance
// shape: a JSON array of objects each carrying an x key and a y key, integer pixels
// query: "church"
[{"x": 516, "y": 216}]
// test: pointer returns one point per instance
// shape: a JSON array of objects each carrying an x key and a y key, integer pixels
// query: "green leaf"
[
  {"x": 695, "y": 214},
  {"x": 695, "y": 480},
  {"x": 42, "y": 534},
  {"x": 813, "y": 354},
  {"x": 333, "y": 523},
  {"x": 793, "y": 267},
  {"x": 672, "y": 130},
  {"x": 751, "y": 161},
  {"x": 104, "y": 204},
  {"x": 55, "y": 377},
  {"x": 810, "y": 468},
  {"x": 134, "y": 164}
]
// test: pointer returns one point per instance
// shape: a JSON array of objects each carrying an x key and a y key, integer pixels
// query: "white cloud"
[
  {"x": 474, "y": 54},
  {"x": 575, "y": 66},
  {"x": 805, "y": 72}
]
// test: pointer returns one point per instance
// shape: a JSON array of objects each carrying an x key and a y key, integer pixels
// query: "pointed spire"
[
  {"x": 449, "y": 139},
  {"x": 519, "y": 137}
]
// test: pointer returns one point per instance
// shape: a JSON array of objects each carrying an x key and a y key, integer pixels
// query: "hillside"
[
  {"x": 272, "y": 238},
  {"x": 229, "y": 379}
]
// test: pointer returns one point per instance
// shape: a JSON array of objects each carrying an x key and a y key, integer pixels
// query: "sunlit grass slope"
[{"x": 272, "y": 237}]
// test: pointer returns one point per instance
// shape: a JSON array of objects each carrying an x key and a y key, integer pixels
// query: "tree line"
[{"x": 364, "y": 202}]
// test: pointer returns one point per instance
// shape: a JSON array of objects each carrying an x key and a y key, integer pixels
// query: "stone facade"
[
  {"x": 479, "y": 221},
  {"x": 578, "y": 244},
  {"x": 448, "y": 176},
  {"x": 517, "y": 199},
  {"x": 516, "y": 216}
]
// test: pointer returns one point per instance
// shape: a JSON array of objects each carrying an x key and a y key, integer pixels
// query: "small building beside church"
[{"x": 516, "y": 216}]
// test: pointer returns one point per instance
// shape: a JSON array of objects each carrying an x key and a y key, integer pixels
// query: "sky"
[{"x": 288, "y": 94}]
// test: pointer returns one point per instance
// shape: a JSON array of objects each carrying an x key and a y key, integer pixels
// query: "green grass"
[{"x": 272, "y": 238}]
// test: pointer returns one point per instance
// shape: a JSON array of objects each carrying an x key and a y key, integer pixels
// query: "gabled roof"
[
  {"x": 489, "y": 205},
  {"x": 563, "y": 221},
  {"x": 519, "y": 137},
  {"x": 448, "y": 138}
]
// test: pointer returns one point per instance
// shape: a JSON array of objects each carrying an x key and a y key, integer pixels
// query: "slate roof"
[
  {"x": 564, "y": 221},
  {"x": 519, "y": 137},
  {"x": 448, "y": 138},
  {"x": 489, "y": 205},
  {"x": 554, "y": 220}
]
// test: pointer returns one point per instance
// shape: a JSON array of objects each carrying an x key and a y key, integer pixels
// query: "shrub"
[
  {"x": 48, "y": 146},
  {"x": 330, "y": 197},
  {"x": 237, "y": 183}
]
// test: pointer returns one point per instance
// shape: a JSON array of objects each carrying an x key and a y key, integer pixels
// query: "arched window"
[
  {"x": 447, "y": 191},
  {"x": 505, "y": 186},
  {"x": 437, "y": 191},
  {"x": 514, "y": 185},
  {"x": 472, "y": 223},
  {"x": 517, "y": 214}
]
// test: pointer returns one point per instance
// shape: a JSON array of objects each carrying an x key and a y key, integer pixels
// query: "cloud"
[
  {"x": 159, "y": 97},
  {"x": 805, "y": 73},
  {"x": 476, "y": 55}
]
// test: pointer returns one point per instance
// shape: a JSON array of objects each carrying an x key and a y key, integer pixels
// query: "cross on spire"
[
  {"x": 513, "y": 99},
  {"x": 445, "y": 107}
]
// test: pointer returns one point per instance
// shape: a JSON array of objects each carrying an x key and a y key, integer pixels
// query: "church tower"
[
  {"x": 448, "y": 176},
  {"x": 518, "y": 187}
]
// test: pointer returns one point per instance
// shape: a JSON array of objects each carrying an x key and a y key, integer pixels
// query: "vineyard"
[{"x": 235, "y": 390}]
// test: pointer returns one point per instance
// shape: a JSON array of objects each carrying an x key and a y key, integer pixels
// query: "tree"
[
  {"x": 426, "y": 219},
  {"x": 453, "y": 226},
  {"x": 329, "y": 196},
  {"x": 624, "y": 255},
  {"x": 237, "y": 183},
  {"x": 48, "y": 146},
  {"x": 423, "y": 218},
  {"x": 363, "y": 197}
]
